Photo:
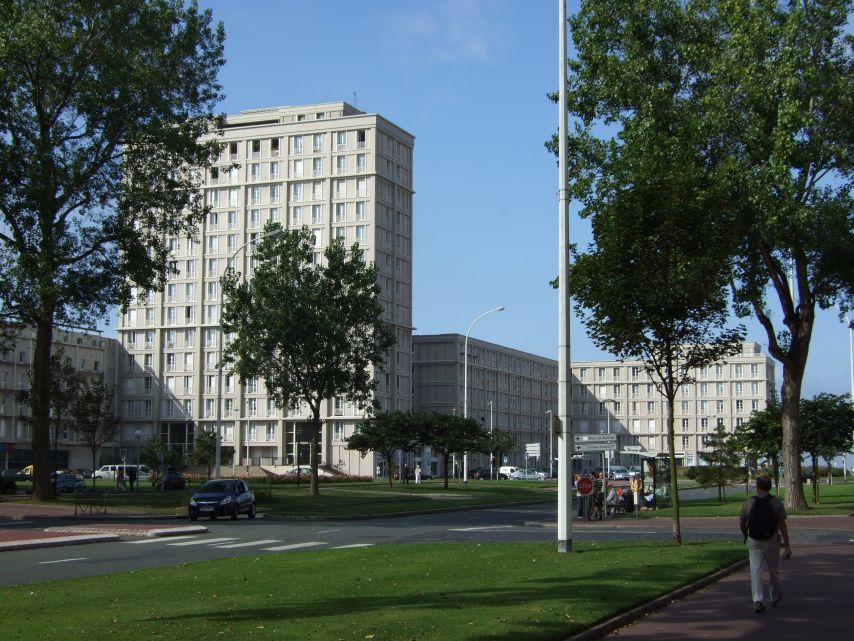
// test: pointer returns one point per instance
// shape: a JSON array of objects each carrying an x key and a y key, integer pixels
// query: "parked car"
[
  {"x": 527, "y": 475},
  {"x": 506, "y": 471},
  {"x": 619, "y": 473},
  {"x": 481, "y": 473},
  {"x": 16, "y": 475},
  {"x": 69, "y": 483},
  {"x": 222, "y": 498},
  {"x": 173, "y": 479}
]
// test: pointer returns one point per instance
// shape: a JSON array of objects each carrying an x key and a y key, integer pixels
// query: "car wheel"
[
  {"x": 252, "y": 511},
  {"x": 234, "y": 513}
]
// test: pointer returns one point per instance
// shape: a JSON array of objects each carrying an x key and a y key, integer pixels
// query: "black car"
[
  {"x": 173, "y": 479},
  {"x": 222, "y": 498},
  {"x": 480, "y": 473}
]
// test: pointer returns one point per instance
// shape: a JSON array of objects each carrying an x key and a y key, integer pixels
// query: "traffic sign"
[
  {"x": 584, "y": 486},
  {"x": 594, "y": 447},
  {"x": 532, "y": 450},
  {"x": 595, "y": 438},
  {"x": 631, "y": 448}
]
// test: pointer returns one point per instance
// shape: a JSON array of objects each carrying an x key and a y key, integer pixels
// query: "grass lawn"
[
  {"x": 443, "y": 592},
  {"x": 342, "y": 499},
  {"x": 833, "y": 499}
]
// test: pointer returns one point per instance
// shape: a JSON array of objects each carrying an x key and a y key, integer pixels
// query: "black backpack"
[{"x": 761, "y": 523}]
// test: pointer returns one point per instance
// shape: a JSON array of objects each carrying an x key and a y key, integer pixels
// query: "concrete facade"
[
  {"x": 339, "y": 171},
  {"x": 90, "y": 353}
]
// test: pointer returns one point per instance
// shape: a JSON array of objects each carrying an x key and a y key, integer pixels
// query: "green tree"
[
  {"x": 386, "y": 433},
  {"x": 204, "y": 450},
  {"x": 158, "y": 456},
  {"x": 653, "y": 285},
  {"x": 722, "y": 453},
  {"x": 94, "y": 419},
  {"x": 449, "y": 434},
  {"x": 770, "y": 88},
  {"x": 497, "y": 443},
  {"x": 827, "y": 429},
  {"x": 761, "y": 437},
  {"x": 102, "y": 104},
  {"x": 312, "y": 330}
]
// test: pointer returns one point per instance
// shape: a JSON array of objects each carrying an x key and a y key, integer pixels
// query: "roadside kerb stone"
[{"x": 47, "y": 539}]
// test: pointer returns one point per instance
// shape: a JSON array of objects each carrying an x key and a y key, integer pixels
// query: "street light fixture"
[
  {"x": 218, "y": 450},
  {"x": 466, "y": 384}
]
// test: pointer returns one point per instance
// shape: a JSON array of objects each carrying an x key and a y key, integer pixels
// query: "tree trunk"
[
  {"x": 40, "y": 410},
  {"x": 674, "y": 490},
  {"x": 312, "y": 449},
  {"x": 791, "y": 401},
  {"x": 814, "y": 479}
]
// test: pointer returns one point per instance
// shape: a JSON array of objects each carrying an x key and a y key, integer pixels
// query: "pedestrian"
[
  {"x": 637, "y": 486},
  {"x": 579, "y": 499},
  {"x": 763, "y": 522},
  {"x": 131, "y": 477},
  {"x": 379, "y": 471},
  {"x": 598, "y": 495},
  {"x": 405, "y": 477},
  {"x": 417, "y": 474}
]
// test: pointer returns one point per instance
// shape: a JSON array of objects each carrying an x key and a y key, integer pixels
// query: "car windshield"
[{"x": 218, "y": 486}]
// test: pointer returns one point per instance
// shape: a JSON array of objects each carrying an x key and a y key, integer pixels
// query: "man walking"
[{"x": 762, "y": 522}]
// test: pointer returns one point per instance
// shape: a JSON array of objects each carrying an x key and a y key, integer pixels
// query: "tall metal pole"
[
  {"x": 551, "y": 443},
  {"x": 218, "y": 449},
  {"x": 564, "y": 501},
  {"x": 490, "y": 433},
  {"x": 466, "y": 384}
]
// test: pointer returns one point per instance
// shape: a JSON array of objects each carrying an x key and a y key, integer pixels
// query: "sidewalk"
[
  {"x": 79, "y": 529},
  {"x": 818, "y": 582}
]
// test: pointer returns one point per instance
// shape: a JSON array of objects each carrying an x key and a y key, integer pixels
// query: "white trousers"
[{"x": 764, "y": 555}]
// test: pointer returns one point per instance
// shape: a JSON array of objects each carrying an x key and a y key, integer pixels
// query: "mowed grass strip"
[{"x": 442, "y": 592}]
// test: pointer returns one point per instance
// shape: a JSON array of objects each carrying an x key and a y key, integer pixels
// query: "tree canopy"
[
  {"x": 95, "y": 421},
  {"x": 311, "y": 330},
  {"x": 386, "y": 433},
  {"x": 102, "y": 105},
  {"x": 743, "y": 109},
  {"x": 827, "y": 422}
]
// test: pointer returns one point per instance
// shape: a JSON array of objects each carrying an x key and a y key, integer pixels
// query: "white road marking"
[
  {"x": 483, "y": 527},
  {"x": 354, "y": 545},
  {"x": 163, "y": 539},
  {"x": 328, "y": 531},
  {"x": 295, "y": 546},
  {"x": 205, "y": 541},
  {"x": 248, "y": 544},
  {"x": 79, "y": 558}
]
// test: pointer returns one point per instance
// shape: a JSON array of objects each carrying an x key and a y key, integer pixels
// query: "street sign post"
[
  {"x": 595, "y": 438},
  {"x": 594, "y": 447},
  {"x": 584, "y": 486}
]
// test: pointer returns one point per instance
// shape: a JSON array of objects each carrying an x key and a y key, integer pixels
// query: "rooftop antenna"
[{"x": 355, "y": 102}]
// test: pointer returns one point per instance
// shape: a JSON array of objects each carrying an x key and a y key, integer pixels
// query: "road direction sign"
[
  {"x": 595, "y": 438},
  {"x": 594, "y": 447},
  {"x": 631, "y": 448}
]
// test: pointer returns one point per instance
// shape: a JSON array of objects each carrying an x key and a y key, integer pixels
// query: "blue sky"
[{"x": 468, "y": 78}]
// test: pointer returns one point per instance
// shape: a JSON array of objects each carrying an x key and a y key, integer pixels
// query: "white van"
[
  {"x": 505, "y": 471},
  {"x": 109, "y": 472}
]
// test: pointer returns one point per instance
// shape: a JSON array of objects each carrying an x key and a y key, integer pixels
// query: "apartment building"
[
  {"x": 514, "y": 391},
  {"x": 90, "y": 353},
  {"x": 621, "y": 398},
  {"x": 509, "y": 390},
  {"x": 342, "y": 173}
]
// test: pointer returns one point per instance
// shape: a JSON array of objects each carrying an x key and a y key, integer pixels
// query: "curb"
[
  {"x": 144, "y": 533},
  {"x": 630, "y": 616},
  {"x": 57, "y": 541}
]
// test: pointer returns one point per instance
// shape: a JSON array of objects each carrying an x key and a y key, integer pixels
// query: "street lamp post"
[
  {"x": 218, "y": 449},
  {"x": 466, "y": 383},
  {"x": 607, "y": 454},
  {"x": 490, "y": 433}
]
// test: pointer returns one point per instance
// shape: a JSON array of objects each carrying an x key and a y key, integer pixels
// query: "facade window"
[
  {"x": 685, "y": 409},
  {"x": 317, "y": 167},
  {"x": 316, "y": 214},
  {"x": 317, "y": 143},
  {"x": 340, "y": 188},
  {"x": 188, "y": 407},
  {"x": 719, "y": 389},
  {"x": 255, "y": 195},
  {"x": 188, "y": 385},
  {"x": 188, "y": 361},
  {"x": 361, "y": 186},
  {"x": 704, "y": 407},
  {"x": 189, "y": 337},
  {"x": 338, "y": 431},
  {"x": 685, "y": 440},
  {"x": 704, "y": 389},
  {"x": 754, "y": 370},
  {"x": 213, "y": 244},
  {"x": 232, "y": 197},
  {"x": 275, "y": 172},
  {"x": 338, "y": 406},
  {"x": 685, "y": 425},
  {"x": 254, "y": 218},
  {"x": 341, "y": 233},
  {"x": 274, "y": 214},
  {"x": 361, "y": 163},
  {"x": 255, "y": 172},
  {"x": 340, "y": 165},
  {"x": 317, "y": 190},
  {"x": 298, "y": 172},
  {"x": 255, "y": 146},
  {"x": 340, "y": 212},
  {"x": 212, "y": 290},
  {"x": 361, "y": 209},
  {"x": 210, "y": 407},
  {"x": 296, "y": 216},
  {"x": 231, "y": 243},
  {"x": 704, "y": 425},
  {"x": 252, "y": 407},
  {"x": 232, "y": 220},
  {"x": 270, "y": 432},
  {"x": 297, "y": 145},
  {"x": 754, "y": 388},
  {"x": 739, "y": 406},
  {"x": 274, "y": 147},
  {"x": 341, "y": 140},
  {"x": 361, "y": 234},
  {"x": 189, "y": 314},
  {"x": 361, "y": 138},
  {"x": 297, "y": 192},
  {"x": 275, "y": 193},
  {"x": 738, "y": 370}
]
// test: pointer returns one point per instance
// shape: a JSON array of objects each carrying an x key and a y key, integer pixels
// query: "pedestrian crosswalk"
[{"x": 230, "y": 543}]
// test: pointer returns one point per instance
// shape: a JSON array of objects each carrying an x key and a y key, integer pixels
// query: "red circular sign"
[{"x": 584, "y": 486}]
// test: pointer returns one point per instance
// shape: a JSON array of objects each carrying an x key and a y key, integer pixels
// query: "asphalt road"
[{"x": 227, "y": 539}]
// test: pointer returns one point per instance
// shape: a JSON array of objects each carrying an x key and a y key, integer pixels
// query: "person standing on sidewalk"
[{"x": 762, "y": 522}]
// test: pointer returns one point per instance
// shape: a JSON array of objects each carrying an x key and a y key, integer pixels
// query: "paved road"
[{"x": 264, "y": 536}]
